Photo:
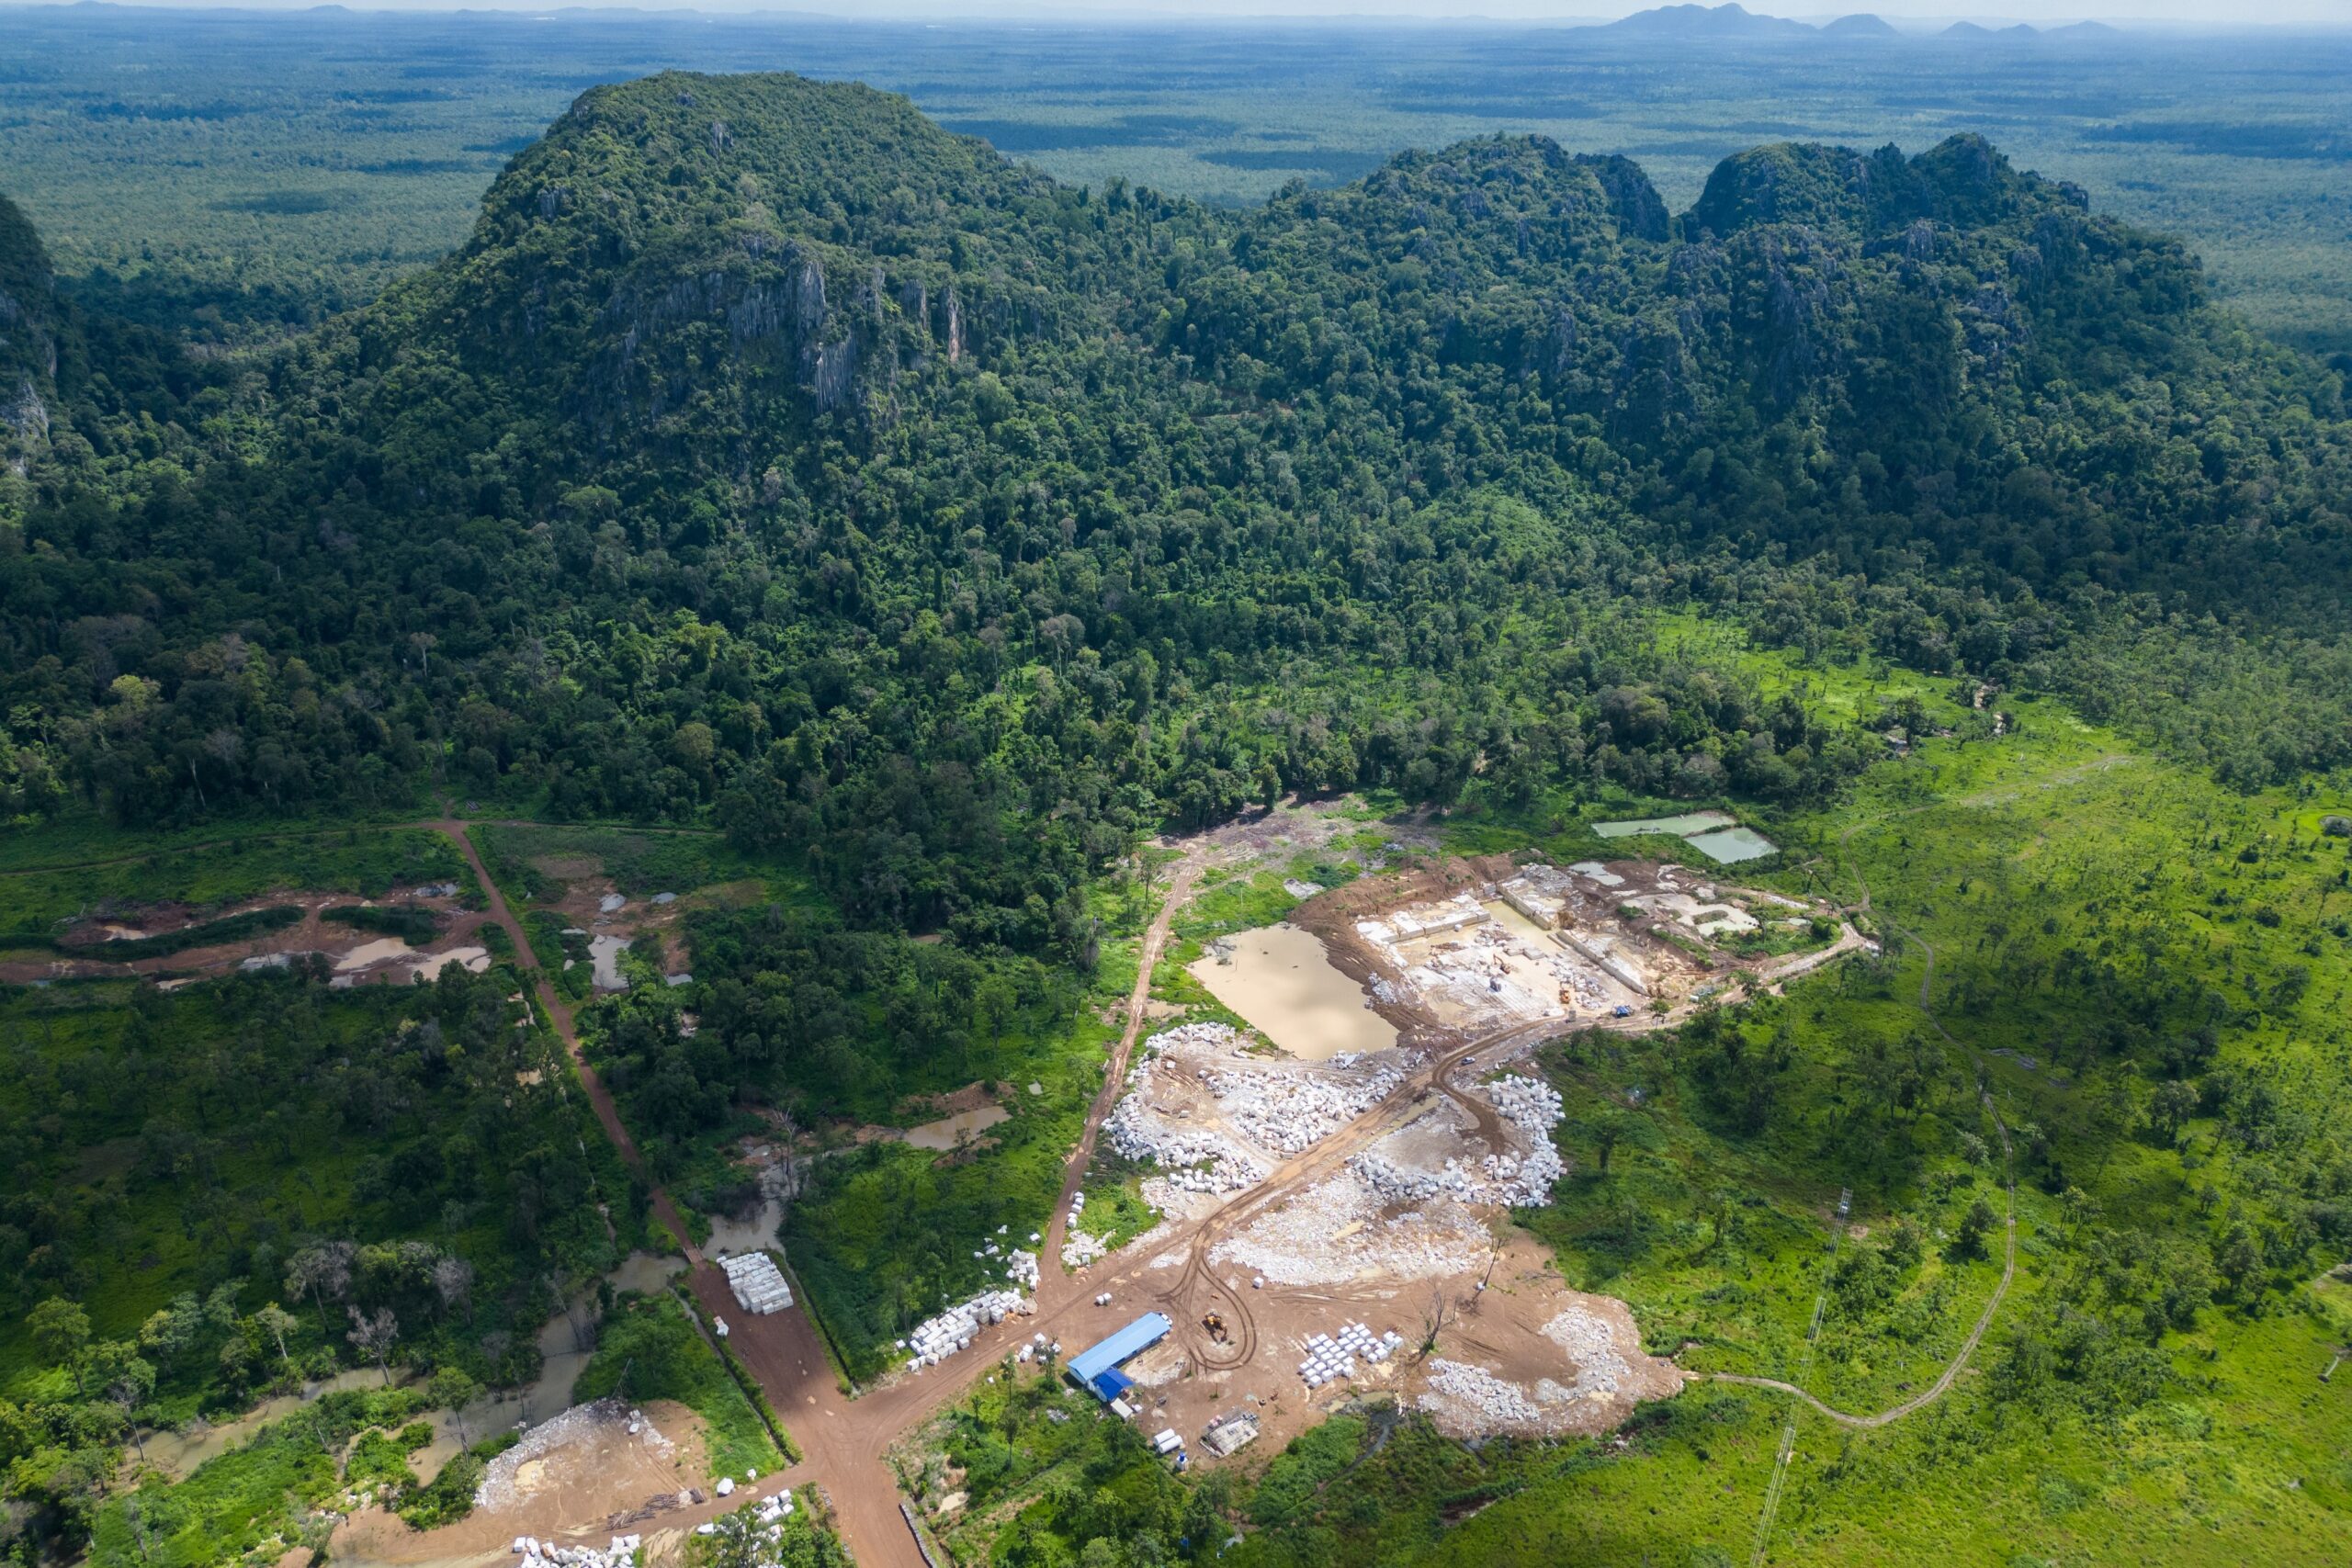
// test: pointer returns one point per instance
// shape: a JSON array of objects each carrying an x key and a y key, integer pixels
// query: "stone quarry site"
[{"x": 1327, "y": 1213}]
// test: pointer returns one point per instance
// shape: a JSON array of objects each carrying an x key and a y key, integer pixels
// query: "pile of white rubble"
[
  {"x": 771, "y": 1512},
  {"x": 1192, "y": 1158},
  {"x": 1290, "y": 1112},
  {"x": 1590, "y": 1343},
  {"x": 934, "y": 1339},
  {"x": 1195, "y": 1036},
  {"x": 1331, "y": 1359},
  {"x": 1477, "y": 1398},
  {"x": 537, "y": 1554},
  {"x": 1534, "y": 1107},
  {"x": 1078, "y": 1248}
]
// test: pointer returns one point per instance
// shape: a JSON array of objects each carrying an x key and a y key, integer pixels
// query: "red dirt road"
[{"x": 844, "y": 1442}]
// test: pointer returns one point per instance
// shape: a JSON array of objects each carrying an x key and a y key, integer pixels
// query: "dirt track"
[{"x": 846, "y": 1442}]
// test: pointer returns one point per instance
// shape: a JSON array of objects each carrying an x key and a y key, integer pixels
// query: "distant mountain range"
[{"x": 1735, "y": 21}]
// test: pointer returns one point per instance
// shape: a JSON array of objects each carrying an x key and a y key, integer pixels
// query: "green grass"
[
  {"x": 204, "y": 933},
  {"x": 252, "y": 1499},
  {"x": 647, "y": 1349},
  {"x": 142, "y": 870},
  {"x": 409, "y": 922},
  {"x": 529, "y": 861}
]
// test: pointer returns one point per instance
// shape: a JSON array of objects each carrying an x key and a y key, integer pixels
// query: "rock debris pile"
[
  {"x": 1192, "y": 1158},
  {"x": 1078, "y": 1249},
  {"x": 1331, "y": 1359},
  {"x": 1534, "y": 1107},
  {"x": 1472, "y": 1396},
  {"x": 1590, "y": 1343},
  {"x": 937, "y": 1339},
  {"x": 537, "y": 1554},
  {"x": 1500, "y": 1176},
  {"x": 1195, "y": 1036},
  {"x": 1334, "y": 1232},
  {"x": 769, "y": 1513},
  {"x": 1290, "y": 1114},
  {"x": 497, "y": 1489}
]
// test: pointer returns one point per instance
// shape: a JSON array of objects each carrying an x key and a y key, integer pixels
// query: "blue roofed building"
[{"x": 1096, "y": 1368}]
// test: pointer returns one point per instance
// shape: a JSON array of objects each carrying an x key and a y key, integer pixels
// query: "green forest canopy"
[{"x": 770, "y": 452}]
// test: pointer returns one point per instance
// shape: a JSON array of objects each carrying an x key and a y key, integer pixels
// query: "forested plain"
[
  {"x": 228, "y": 176},
  {"x": 771, "y": 460}
]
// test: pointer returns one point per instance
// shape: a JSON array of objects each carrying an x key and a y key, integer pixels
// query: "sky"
[{"x": 1922, "y": 14}]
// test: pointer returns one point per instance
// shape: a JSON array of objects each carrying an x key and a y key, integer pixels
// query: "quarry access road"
[
  {"x": 844, "y": 1442},
  {"x": 782, "y": 1351},
  {"x": 1196, "y": 1289}
]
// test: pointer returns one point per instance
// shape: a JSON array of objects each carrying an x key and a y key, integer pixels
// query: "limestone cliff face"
[{"x": 786, "y": 249}]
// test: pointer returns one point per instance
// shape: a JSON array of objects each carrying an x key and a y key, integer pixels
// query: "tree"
[
  {"x": 452, "y": 1389},
  {"x": 1432, "y": 1322},
  {"x": 60, "y": 1328},
  {"x": 737, "y": 1540},
  {"x": 2238, "y": 1260},
  {"x": 453, "y": 1280},
  {"x": 171, "y": 1329},
  {"x": 1968, "y": 1237},
  {"x": 373, "y": 1336},
  {"x": 126, "y": 1381},
  {"x": 2174, "y": 1103},
  {"x": 277, "y": 1323},
  {"x": 323, "y": 1271}
]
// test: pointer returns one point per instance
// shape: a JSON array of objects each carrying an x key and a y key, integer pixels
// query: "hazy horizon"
[{"x": 1910, "y": 14}]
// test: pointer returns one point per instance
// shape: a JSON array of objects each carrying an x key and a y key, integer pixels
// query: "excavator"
[{"x": 1214, "y": 1323}]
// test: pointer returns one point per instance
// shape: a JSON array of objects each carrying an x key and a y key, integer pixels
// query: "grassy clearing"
[
  {"x": 409, "y": 922},
  {"x": 364, "y": 862},
  {"x": 537, "y": 862},
  {"x": 648, "y": 1349}
]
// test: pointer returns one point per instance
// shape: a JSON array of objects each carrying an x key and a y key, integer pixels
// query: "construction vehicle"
[{"x": 1214, "y": 1323}]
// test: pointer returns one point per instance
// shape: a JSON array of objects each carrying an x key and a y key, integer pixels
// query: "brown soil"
[
  {"x": 85, "y": 955},
  {"x": 1500, "y": 1331},
  {"x": 581, "y": 1493}
]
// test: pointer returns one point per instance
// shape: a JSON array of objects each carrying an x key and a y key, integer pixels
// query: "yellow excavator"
[{"x": 1214, "y": 1323}]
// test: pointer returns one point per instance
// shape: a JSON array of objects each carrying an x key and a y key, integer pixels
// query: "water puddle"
[
  {"x": 368, "y": 952},
  {"x": 606, "y": 953},
  {"x": 756, "y": 1233},
  {"x": 1680, "y": 826},
  {"x": 647, "y": 1272},
  {"x": 476, "y": 959},
  {"x": 1733, "y": 845},
  {"x": 1281, "y": 980},
  {"x": 949, "y": 1132}
]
